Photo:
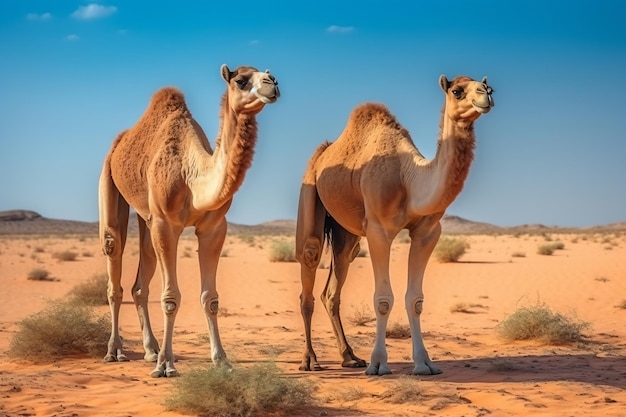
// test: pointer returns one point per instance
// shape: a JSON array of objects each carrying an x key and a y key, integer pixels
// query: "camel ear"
[
  {"x": 444, "y": 83},
  {"x": 226, "y": 74},
  {"x": 484, "y": 81}
]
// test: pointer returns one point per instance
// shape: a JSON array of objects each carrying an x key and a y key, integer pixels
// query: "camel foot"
[
  {"x": 426, "y": 369},
  {"x": 164, "y": 371},
  {"x": 150, "y": 356},
  {"x": 309, "y": 363},
  {"x": 354, "y": 363},
  {"x": 377, "y": 369},
  {"x": 113, "y": 358}
]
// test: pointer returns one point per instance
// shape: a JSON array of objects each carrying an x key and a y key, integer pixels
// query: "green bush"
[
  {"x": 283, "y": 251},
  {"x": 450, "y": 249},
  {"x": 60, "y": 329},
  {"x": 236, "y": 392},
  {"x": 539, "y": 322}
]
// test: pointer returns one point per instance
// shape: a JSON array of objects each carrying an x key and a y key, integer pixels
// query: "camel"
[
  {"x": 164, "y": 168},
  {"x": 373, "y": 182}
]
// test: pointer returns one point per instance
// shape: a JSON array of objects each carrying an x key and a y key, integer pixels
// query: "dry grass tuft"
[
  {"x": 549, "y": 248},
  {"x": 92, "y": 292},
  {"x": 362, "y": 315},
  {"x": 283, "y": 251},
  {"x": 65, "y": 256},
  {"x": 40, "y": 274},
  {"x": 450, "y": 249},
  {"x": 60, "y": 329},
  {"x": 622, "y": 305},
  {"x": 540, "y": 323},
  {"x": 404, "y": 389},
  {"x": 236, "y": 392},
  {"x": 398, "y": 331}
]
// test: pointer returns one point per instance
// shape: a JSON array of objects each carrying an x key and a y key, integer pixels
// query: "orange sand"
[{"x": 482, "y": 374}]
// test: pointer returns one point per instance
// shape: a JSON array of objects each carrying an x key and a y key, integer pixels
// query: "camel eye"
[
  {"x": 241, "y": 83},
  {"x": 457, "y": 93}
]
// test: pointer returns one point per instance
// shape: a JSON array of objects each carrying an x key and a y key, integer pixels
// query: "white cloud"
[
  {"x": 93, "y": 11},
  {"x": 72, "y": 37},
  {"x": 37, "y": 16},
  {"x": 339, "y": 29}
]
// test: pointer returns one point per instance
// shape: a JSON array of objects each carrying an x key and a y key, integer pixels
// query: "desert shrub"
[
  {"x": 460, "y": 308},
  {"x": 92, "y": 292},
  {"x": 283, "y": 251},
  {"x": 539, "y": 322},
  {"x": 403, "y": 390},
  {"x": 518, "y": 254},
  {"x": 549, "y": 248},
  {"x": 398, "y": 331},
  {"x": 39, "y": 274},
  {"x": 545, "y": 249},
  {"x": 362, "y": 315},
  {"x": 66, "y": 255},
  {"x": 224, "y": 392},
  {"x": 622, "y": 305},
  {"x": 60, "y": 329},
  {"x": 450, "y": 249}
]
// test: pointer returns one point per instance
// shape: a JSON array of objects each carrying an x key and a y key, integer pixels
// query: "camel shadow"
[{"x": 584, "y": 368}]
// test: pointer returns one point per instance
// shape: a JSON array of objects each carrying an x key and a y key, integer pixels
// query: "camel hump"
[
  {"x": 375, "y": 114},
  {"x": 168, "y": 98}
]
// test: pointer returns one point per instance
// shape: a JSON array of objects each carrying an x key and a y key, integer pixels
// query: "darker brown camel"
[
  {"x": 165, "y": 169},
  {"x": 373, "y": 182}
]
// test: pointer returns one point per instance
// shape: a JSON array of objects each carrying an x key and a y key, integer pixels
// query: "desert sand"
[{"x": 259, "y": 300}]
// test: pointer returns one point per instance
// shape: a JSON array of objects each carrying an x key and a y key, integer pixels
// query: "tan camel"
[
  {"x": 373, "y": 182},
  {"x": 165, "y": 169}
]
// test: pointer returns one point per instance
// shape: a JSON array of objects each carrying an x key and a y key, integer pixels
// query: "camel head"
[
  {"x": 466, "y": 99},
  {"x": 249, "y": 89}
]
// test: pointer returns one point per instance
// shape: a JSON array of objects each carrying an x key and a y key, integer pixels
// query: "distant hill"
[{"x": 26, "y": 222}]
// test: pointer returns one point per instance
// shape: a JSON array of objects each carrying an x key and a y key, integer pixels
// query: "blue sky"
[{"x": 73, "y": 74}]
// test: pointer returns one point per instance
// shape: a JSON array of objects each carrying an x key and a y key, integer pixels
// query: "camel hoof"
[
  {"x": 171, "y": 373},
  {"x": 377, "y": 370},
  {"x": 110, "y": 358},
  {"x": 426, "y": 369},
  {"x": 151, "y": 357},
  {"x": 354, "y": 363},
  {"x": 157, "y": 373},
  {"x": 122, "y": 358},
  {"x": 308, "y": 368}
]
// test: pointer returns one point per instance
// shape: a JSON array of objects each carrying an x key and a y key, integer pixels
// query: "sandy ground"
[{"x": 482, "y": 374}]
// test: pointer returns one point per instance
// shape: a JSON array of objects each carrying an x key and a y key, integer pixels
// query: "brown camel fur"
[
  {"x": 165, "y": 169},
  {"x": 373, "y": 182}
]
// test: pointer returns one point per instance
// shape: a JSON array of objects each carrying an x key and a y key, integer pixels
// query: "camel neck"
[
  {"x": 441, "y": 180},
  {"x": 223, "y": 172}
]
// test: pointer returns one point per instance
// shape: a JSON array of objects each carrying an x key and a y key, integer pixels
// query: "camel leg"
[
  {"x": 423, "y": 241},
  {"x": 210, "y": 243},
  {"x": 113, "y": 212},
  {"x": 345, "y": 247},
  {"x": 165, "y": 240},
  {"x": 380, "y": 245},
  {"x": 141, "y": 290},
  {"x": 309, "y": 243}
]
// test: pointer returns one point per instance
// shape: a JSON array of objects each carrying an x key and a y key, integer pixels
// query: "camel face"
[
  {"x": 249, "y": 89},
  {"x": 466, "y": 99}
]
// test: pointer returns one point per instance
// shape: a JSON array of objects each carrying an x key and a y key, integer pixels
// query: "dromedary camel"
[
  {"x": 165, "y": 169},
  {"x": 373, "y": 182}
]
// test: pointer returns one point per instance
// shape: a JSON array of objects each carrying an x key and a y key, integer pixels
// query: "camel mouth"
[
  {"x": 267, "y": 99},
  {"x": 481, "y": 109}
]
